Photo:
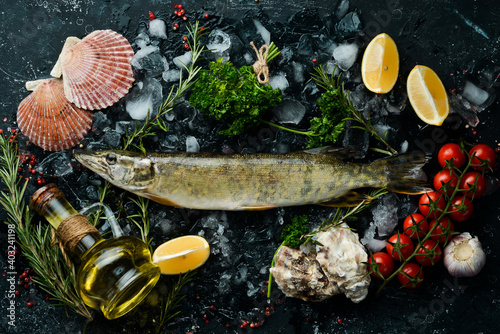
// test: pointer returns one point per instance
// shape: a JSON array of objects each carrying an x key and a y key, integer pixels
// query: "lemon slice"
[
  {"x": 181, "y": 254},
  {"x": 427, "y": 95},
  {"x": 380, "y": 64}
]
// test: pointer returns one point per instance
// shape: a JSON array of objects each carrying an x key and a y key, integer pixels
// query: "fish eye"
[{"x": 111, "y": 158}]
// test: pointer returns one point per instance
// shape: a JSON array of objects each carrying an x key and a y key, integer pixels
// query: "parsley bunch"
[
  {"x": 331, "y": 124},
  {"x": 233, "y": 95},
  {"x": 293, "y": 232}
]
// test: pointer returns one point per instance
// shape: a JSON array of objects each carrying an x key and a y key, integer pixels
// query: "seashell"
[
  {"x": 49, "y": 120},
  {"x": 299, "y": 275},
  {"x": 96, "y": 70},
  {"x": 343, "y": 259},
  {"x": 337, "y": 266}
]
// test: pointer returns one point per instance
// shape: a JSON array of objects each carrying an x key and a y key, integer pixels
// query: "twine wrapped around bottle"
[
  {"x": 73, "y": 229},
  {"x": 260, "y": 66}
]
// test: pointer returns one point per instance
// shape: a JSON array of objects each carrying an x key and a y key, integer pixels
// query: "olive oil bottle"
[{"x": 114, "y": 275}]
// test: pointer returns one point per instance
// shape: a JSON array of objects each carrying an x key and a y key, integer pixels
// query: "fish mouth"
[{"x": 92, "y": 160}]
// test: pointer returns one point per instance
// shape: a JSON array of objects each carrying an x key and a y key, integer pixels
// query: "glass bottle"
[{"x": 114, "y": 275}]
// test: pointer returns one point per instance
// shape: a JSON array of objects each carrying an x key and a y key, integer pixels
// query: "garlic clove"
[{"x": 464, "y": 256}]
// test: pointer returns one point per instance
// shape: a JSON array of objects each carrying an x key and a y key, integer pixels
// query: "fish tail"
[{"x": 404, "y": 172}]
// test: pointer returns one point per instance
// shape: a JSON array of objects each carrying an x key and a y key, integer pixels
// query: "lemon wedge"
[
  {"x": 427, "y": 95},
  {"x": 380, "y": 64},
  {"x": 181, "y": 254}
]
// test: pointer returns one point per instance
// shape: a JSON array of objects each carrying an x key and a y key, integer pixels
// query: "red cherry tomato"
[
  {"x": 451, "y": 151},
  {"x": 442, "y": 231},
  {"x": 483, "y": 157},
  {"x": 415, "y": 226},
  {"x": 386, "y": 264},
  {"x": 432, "y": 204},
  {"x": 461, "y": 209},
  {"x": 473, "y": 184},
  {"x": 411, "y": 276},
  {"x": 446, "y": 179},
  {"x": 429, "y": 254},
  {"x": 400, "y": 247}
]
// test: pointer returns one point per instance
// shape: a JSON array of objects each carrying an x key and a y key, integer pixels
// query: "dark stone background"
[{"x": 455, "y": 38}]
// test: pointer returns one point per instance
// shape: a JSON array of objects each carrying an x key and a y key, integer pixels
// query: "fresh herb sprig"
[
  {"x": 330, "y": 83},
  {"x": 54, "y": 273}
]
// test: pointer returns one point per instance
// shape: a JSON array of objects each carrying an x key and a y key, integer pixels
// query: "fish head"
[{"x": 128, "y": 170}]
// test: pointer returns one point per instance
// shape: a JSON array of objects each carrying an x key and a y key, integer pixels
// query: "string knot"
[{"x": 260, "y": 66}]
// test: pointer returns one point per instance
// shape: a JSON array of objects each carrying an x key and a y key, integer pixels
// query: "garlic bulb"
[{"x": 464, "y": 256}]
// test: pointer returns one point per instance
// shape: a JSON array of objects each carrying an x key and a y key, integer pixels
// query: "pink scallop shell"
[
  {"x": 96, "y": 70},
  {"x": 49, "y": 120}
]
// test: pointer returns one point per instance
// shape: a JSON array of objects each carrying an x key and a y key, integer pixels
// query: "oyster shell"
[
  {"x": 49, "y": 120},
  {"x": 299, "y": 275},
  {"x": 96, "y": 70},
  {"x": 342, "y": 257},
  {"x": 322, "y": 272}
]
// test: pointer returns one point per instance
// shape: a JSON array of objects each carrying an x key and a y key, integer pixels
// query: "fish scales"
[{"x": 237, "y": 182}]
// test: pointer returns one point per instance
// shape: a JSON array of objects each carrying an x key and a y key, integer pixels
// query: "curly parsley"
[{"x": 233, "y": 95}]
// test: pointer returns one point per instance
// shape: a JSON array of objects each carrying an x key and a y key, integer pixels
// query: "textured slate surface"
[{"x": 456, "y": 39}]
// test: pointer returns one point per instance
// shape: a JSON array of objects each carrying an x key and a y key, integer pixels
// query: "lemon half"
[{"x": 181, "y": 254}]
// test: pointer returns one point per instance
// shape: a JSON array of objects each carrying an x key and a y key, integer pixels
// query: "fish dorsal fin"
[{"x": 341, "y": 153}]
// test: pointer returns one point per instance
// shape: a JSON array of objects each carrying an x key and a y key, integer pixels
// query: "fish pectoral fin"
[
  {"x": 256, "y": 207},
  {"x": 349, "y": 199},
  {"x": 161, "y": 200}
]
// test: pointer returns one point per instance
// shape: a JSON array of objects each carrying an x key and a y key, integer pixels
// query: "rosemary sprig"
[
  {"x": 54, "y": 273},
  {"x": 157, "y": 122},
  {"x": 329, "y": 82},
  {"x": 173, "y": 298},
  {"x": 143, "y": 226}
]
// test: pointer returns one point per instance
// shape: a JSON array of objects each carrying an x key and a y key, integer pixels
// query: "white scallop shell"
[
  {"x": 96, "y": 70},
  {"x": 49, "y": 120}
]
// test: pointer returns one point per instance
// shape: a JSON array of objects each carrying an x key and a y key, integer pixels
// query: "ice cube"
[
  {"x": 305, "y": 46},
  {"x": 474, "y": 94},
  {"x": 385, "y": 214},
  {"x": 279, "y": 81},
  {"x": 298, "y": 71},
  {"x": 345, "y": 55},
  {"x": 171, "y": 75},
  {"x": 142, "y": 40},
  {"x": 349, "y": 26},
  {"x": 342, "y": 9},
  {"x": 290, "y": 111},
  {"x": 150, "y": 60},
  {"x": 157, "y": 28},
  {"x": 183, "y": 61},
  {"x": 192, "y": 145},
  {"x": 218, "y": 41},
  {"x": 332, "y": 66},
  {"x": 404, "y": 147},
  {"x": 145, "y": 96},
  {"x": 264, "y": 33}
]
